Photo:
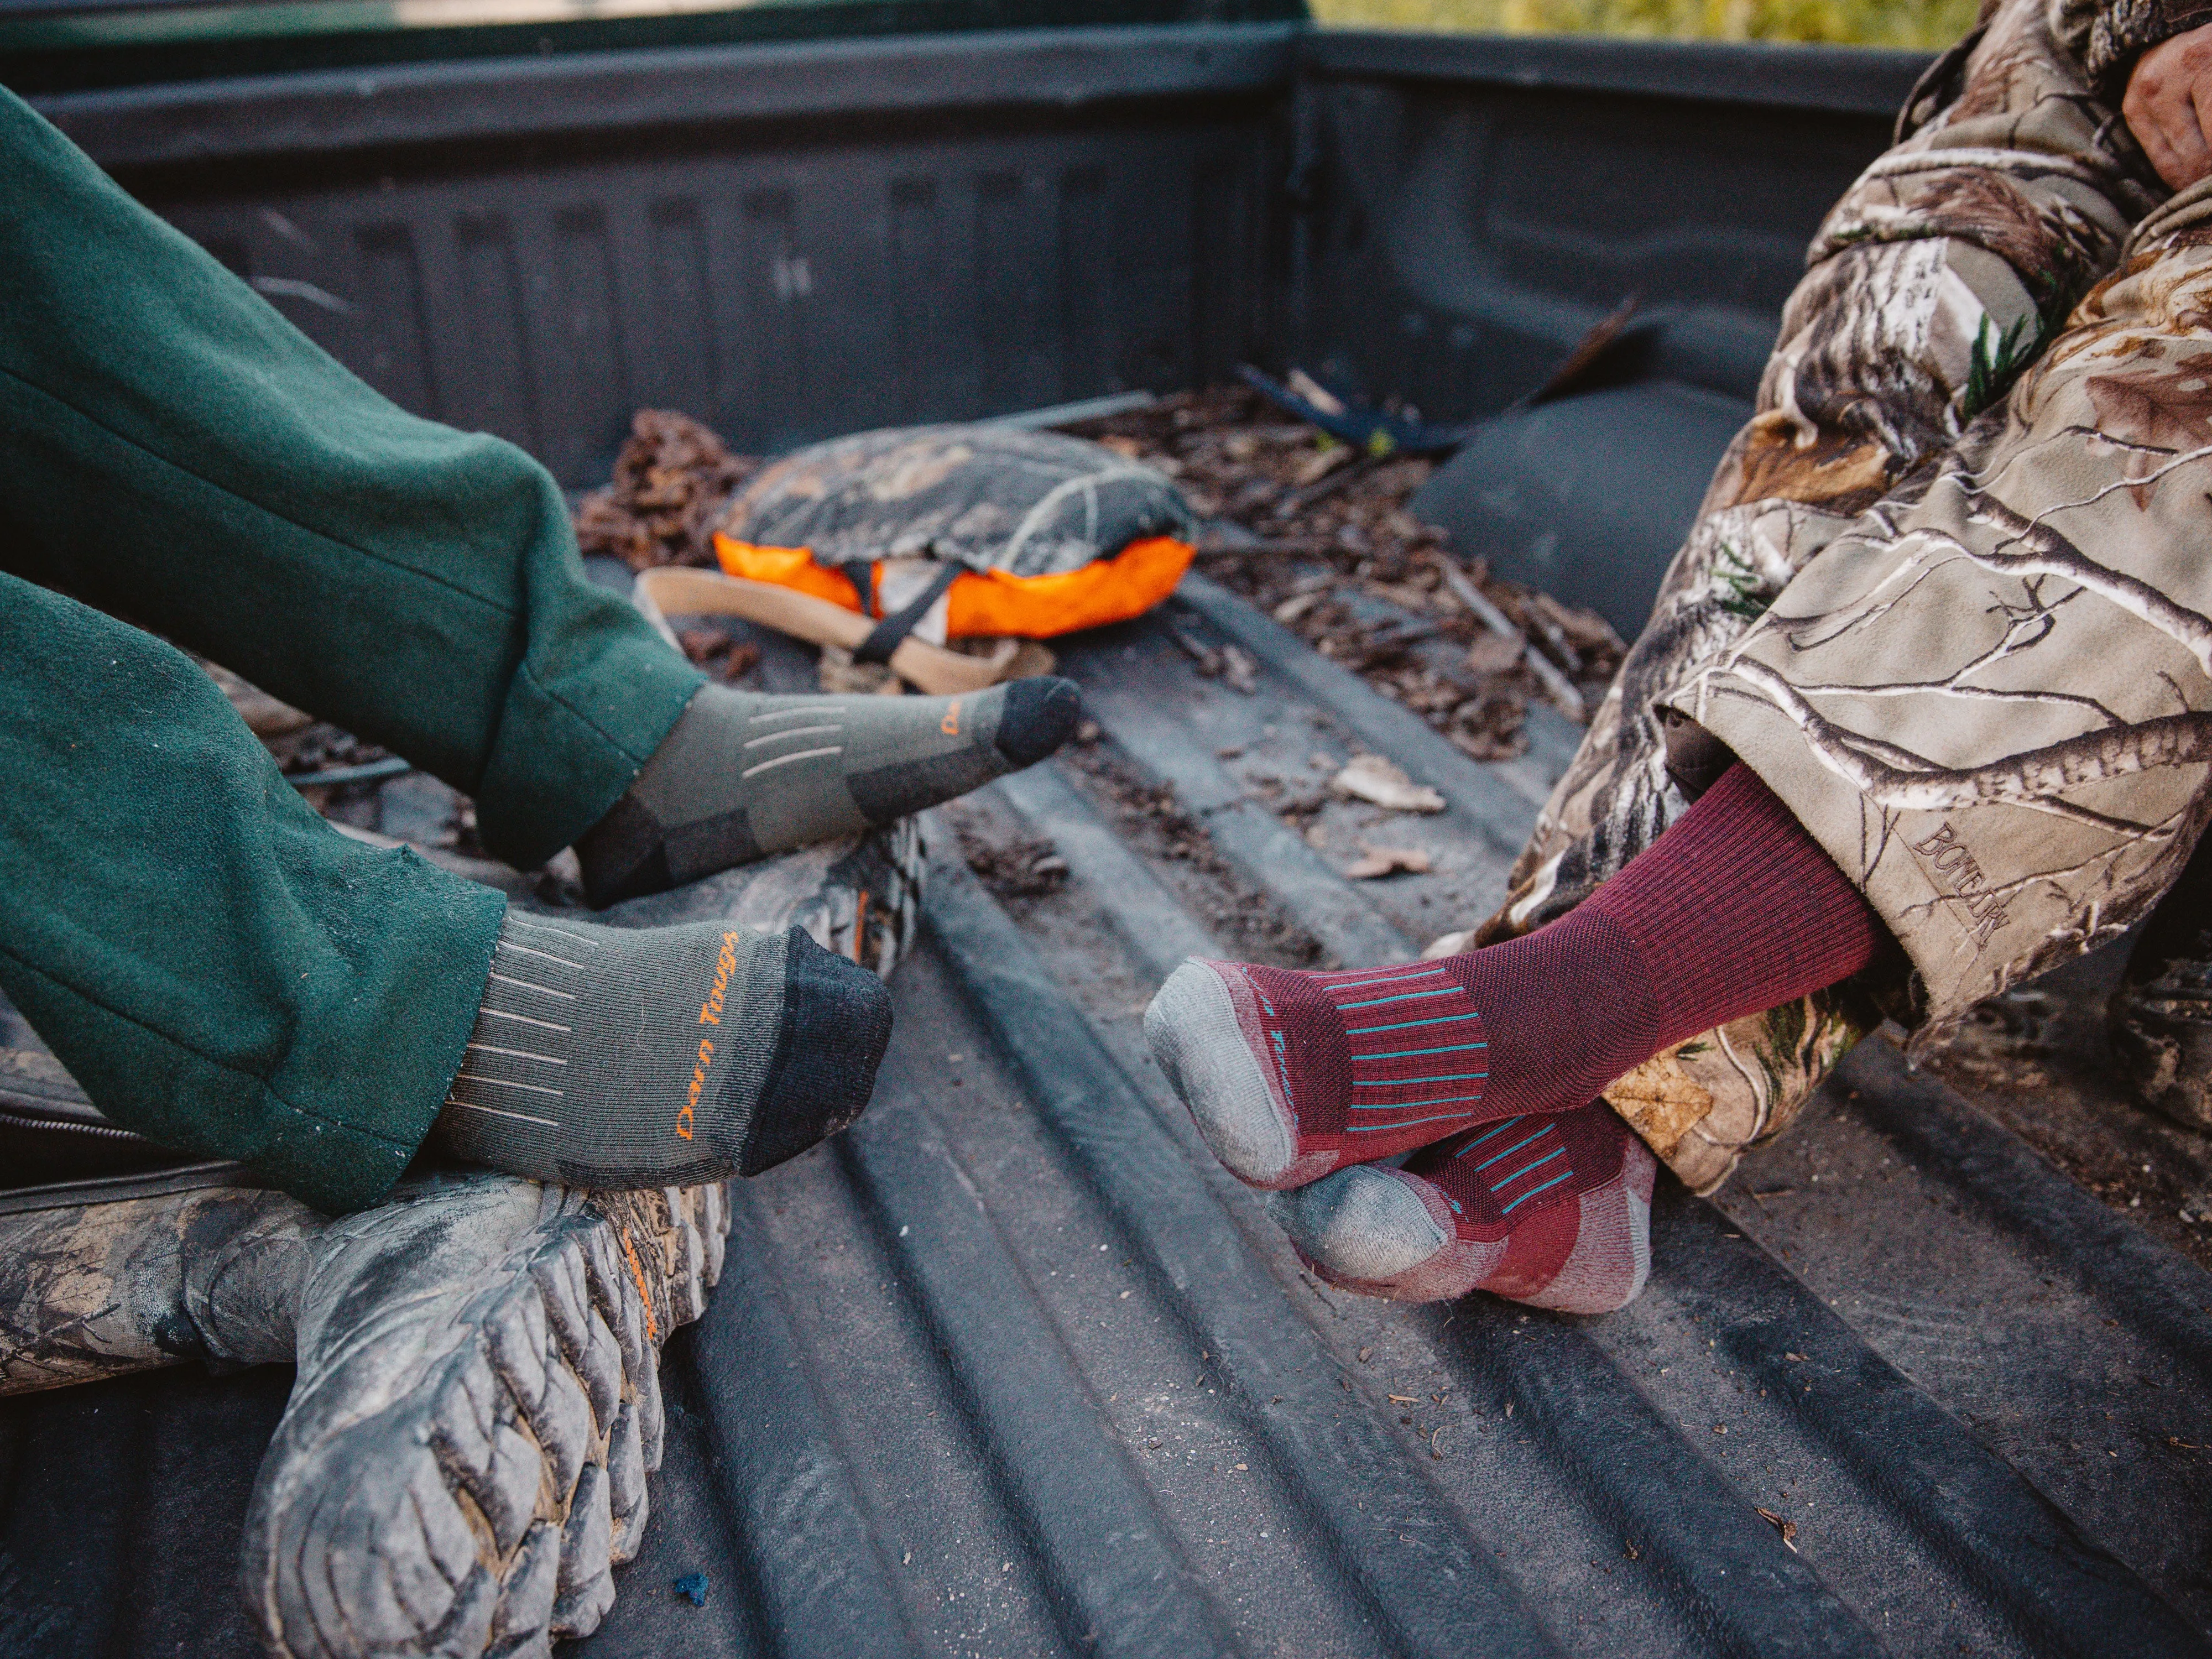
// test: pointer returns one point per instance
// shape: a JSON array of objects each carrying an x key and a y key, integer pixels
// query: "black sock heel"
[{"x": 836, "y": 1023}]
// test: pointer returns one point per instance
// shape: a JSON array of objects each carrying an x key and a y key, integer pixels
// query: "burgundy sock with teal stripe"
[
  {"x": 1365, "y": 1063},
  {"x": 1552, "y": 1209},
  {"x": 1292, "y": 1075}
]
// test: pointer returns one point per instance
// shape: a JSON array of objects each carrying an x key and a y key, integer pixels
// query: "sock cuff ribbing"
[{"x": 1736, "y": 908}]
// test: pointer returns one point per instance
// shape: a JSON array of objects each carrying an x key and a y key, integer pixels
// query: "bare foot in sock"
[
  {"x": 744, "y": 775},
  {"x": 1553, "y": 1211},
  {"x": 1290, "y": 1076},
  {"x": 628, "y": 1057}
]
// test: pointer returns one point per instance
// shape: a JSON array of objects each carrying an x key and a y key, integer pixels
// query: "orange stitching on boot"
[{"x": 637, "y": 1272}]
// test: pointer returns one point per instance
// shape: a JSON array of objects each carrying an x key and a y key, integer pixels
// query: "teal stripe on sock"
[
  {"x": 1373, "y": 1128},
  {"x": 1556, "y": 1152},
  {"x": 1408, "y": 1024},
  {"x": 1405, "y": 1105},
  {"x": 1533, "y": 1191},
  {"x": 1415, "y": 1053},
  {"x": 1488, "y": 1134},
  {"x": 1386, "y": 979},
  {"x": 1403, "y": 996},
  {"x": 1510, "y": 1151},
  {"x": 1416, "y": 1082}
]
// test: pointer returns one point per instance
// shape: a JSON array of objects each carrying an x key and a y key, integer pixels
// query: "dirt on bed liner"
[
  {"x": 2037, "y": 1059},
  {"x": 1318, "y": 536}
]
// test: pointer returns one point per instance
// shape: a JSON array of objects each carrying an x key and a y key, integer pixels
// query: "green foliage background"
[{"x": 1926, "y": 24}]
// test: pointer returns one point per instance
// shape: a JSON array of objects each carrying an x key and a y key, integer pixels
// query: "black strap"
[
  {"x": 862, "y": 575},
  {"x": 885, "y": 637}
]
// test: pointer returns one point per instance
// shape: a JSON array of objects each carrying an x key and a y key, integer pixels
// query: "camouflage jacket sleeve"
[
  {"x": 1949, "y": 266},
  {"x": 2124, "y": 30}
]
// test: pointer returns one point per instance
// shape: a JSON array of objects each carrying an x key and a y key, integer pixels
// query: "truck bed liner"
[{"x": 1012, "y": 1368}]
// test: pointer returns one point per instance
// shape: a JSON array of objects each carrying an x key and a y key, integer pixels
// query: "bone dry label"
[
  {"x": 1947, "y": 857},
  {"x": 710, "y": 1013}
]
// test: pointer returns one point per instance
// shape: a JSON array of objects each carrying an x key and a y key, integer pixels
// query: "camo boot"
[{"x": 463, "y": 1461}]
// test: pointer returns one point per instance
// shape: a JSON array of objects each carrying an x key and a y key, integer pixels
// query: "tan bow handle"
[{"x": 680, "y": 591}]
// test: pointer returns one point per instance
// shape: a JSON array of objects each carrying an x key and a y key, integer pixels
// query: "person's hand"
[{"x": 2168, "y": 107}]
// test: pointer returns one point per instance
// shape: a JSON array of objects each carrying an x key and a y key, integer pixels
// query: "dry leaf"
[
  {"x": 1317, "y": 465},
  {"x": 1371, "y": 778},
  {"x": 1660, "y": 1101},
  {"x": 1296, "y": 606},
  {"x": 1386, "y": 862},
  {"x": 1585, "y": 630},
  {"x": 1493, "y": 653},
  {"x": 1239, "y": 669},
  {"x": 1787, "y": 1528}
]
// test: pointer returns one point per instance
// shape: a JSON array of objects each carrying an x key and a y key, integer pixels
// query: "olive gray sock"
[
  {"x": 614, "y": 1057},
  {"x": 743, "y": 775}
]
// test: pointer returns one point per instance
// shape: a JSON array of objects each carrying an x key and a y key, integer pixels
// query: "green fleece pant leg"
[
  {"x": 173, "y": 450},
  {"x": 222, "y": 969}
]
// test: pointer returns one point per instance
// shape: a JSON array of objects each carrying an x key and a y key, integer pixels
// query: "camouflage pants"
[{"x": 1987, "y": 693}]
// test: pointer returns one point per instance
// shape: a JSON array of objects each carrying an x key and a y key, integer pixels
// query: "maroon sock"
[
  {"x": 1291, "y": 1075},
  {"x": 1553, "y": 1209}
]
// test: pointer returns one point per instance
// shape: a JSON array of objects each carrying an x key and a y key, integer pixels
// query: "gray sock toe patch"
[
  {"x": 1359, "y": 1223},
  {"x": 1193, "y": 1029}
]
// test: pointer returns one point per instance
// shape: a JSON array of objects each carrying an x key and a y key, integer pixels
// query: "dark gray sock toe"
[
  {"x": 836, "y": 1023},
  {"x": 1040, "y": 715}
]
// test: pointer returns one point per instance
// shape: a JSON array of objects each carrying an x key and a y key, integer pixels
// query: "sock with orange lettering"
[
  {"x": 619, "y": 1057},
  {"x": 744, "y": 775}
]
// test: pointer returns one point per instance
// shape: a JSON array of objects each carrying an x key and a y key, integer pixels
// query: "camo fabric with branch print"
[{"x": 1945, "y": 591}]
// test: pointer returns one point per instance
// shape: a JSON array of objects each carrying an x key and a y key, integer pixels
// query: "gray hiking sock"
[
  {"x": 617, "y": 1057},
  {"x": 743, "y": 775}
]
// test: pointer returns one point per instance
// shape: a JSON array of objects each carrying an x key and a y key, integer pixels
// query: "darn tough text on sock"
[{"x": 710, "y": 1013}]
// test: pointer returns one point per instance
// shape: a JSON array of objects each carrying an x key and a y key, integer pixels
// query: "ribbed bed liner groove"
[
  {"x": 811, "y": 1557},
  {"x": 1431, "y": 1585},
  {"x": 2037, "y": 1583},
  {"x": 1011, "y": 1368},
  {"x": 1791, "y": 1612},
  {"x": 1095, "y": 1534},
  {"x": 2157, "y": 1291}
]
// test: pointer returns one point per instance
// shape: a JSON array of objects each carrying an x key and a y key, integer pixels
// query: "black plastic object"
[
  {"x": 1588, "y": 497},
  {"x": 1377, "y": 431},
  {"x": 787, "y": 242}
]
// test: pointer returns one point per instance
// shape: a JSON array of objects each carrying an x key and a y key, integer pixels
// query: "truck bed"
[{"x": 1011, "y": 1368}]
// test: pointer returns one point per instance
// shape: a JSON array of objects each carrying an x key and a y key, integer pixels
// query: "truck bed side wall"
[{"x": 795, "y": 241}]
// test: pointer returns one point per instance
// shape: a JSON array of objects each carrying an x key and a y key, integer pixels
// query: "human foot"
[
  {"x": 743, "y": 775},
  {"x": 1290, "y": 1075},
  {"x": 611, "y": 1057},
  {"x": 1552, "y": 1211}
]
